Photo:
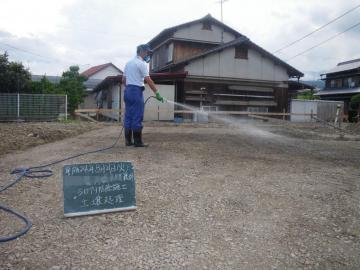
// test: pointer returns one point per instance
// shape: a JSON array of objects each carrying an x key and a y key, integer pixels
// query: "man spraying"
[{"x": 136, "y": 72}]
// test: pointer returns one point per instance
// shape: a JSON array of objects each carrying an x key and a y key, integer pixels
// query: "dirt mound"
[{"x": 19, "y": 136}]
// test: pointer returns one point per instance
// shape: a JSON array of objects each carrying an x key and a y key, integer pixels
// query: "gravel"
[{"x": 208, "y": 197}]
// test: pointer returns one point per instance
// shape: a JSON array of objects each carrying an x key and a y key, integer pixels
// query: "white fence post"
[
  {"x": 66, "y": 105},
  {"x": 18, "y": 106}
]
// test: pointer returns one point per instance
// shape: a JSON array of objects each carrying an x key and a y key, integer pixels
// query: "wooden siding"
[
  {"x": 246, "y": 103},
  {"x": 234, "y": 97},
  {"x": 183, "y": 50},
  {"x": 282, "y": 98},
  {"x": 160, "y": 57}
]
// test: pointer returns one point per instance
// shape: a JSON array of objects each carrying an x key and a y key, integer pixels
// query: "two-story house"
[
  {"x": 225, "y": 69},
  {"x": 341, "y": 83}
]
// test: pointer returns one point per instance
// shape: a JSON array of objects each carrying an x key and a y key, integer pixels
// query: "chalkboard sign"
[{"x": 98, "y": 188}]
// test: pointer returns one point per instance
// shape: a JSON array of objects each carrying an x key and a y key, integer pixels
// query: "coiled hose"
[{"x": 42, "y": 172}]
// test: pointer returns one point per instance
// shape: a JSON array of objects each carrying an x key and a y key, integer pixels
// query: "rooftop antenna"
[{"x": 221, "y": 2}]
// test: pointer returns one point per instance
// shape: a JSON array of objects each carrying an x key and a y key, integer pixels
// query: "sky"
[{"x": 48, "y": 36}]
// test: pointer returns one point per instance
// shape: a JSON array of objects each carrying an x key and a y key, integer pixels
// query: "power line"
[
  {"x": 26, "y": 51},
  {"x": 321, "y": 43},
  {"x": 49, "y": 60},
  {"x": 318, "y": 29}
]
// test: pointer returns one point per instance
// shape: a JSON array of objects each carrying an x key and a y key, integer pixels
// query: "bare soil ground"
[
  {"x": 20, "y": 135},
  {"x": 208, "y": 197}
]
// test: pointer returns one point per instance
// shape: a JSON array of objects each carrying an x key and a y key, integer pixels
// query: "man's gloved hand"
[{"x": 159, "y": 97}]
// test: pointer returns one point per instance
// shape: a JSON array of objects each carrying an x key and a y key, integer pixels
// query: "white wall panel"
[
  {"x": 224, "y": 64},
  {"x": 166, "y": 109},
  {"x": 196, "y": 32}
]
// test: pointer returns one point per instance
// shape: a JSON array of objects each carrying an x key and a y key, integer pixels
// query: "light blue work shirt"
[{"x": 135, "y": 71}]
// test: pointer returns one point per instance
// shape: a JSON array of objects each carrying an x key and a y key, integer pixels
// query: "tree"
[
  {"x": 14, "y": 77},
  {"x": 355, "y": 102},
  {"x": 354, "y": 110},
  {"x": 72, "y": 85},
  {"x": 308, "y": 95},
  {"x": 44, "y": 86}
]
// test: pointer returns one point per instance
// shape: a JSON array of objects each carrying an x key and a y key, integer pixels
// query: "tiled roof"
[
  {"x": 344, "y": 66},
  {"x": 91, "y": 71},
  {"x": 338, "y": 91}
]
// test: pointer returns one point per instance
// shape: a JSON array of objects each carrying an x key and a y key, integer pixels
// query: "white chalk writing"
[
  {"x": 103, "y": 200},
  {"x": 100, "y": 168},
  {"x": 99, "y": 189}
]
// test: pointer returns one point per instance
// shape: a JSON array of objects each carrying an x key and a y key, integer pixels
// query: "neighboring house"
[
  {"x": 95, "y": 75},
  {"x": 341, "y": 83},
  {"x": 224, "y": 68},
  {"x": 89, "y": 84},
  {"x": 52, "y": 79},
  {"x": 154, "y": 110},
  {"x": 299, "y": 87}
]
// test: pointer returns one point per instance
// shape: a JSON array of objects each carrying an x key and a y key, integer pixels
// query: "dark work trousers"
[{"x": 134, "y": 107}]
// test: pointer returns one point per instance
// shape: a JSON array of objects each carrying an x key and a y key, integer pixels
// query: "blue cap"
[{"x": 144, "y": 48}]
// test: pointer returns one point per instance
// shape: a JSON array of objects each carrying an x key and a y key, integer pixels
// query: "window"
[
  {"x": 332, "y": 84},
  {"x": 241, "y": 52},
  {"x": 258, "y": 109},
  {"x": 170, "y": 52},
  {"x": 356, "y": 81},
  {"x": 339, "y": 83},
  {"x": 209, "y": 108},
  {"x": 206, "y": 26},
  {"x": 351, "y": 82},
  {"x": 155, "y": 60}
]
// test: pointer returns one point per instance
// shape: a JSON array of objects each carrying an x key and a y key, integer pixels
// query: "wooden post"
[
  {"x": 338, "y": 107},
  {"x": 284, "y": 114}
]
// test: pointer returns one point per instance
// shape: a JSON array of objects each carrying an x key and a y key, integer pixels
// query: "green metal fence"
[{"x": 29, "y": 107}]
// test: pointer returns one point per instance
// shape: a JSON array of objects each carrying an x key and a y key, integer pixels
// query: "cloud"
[
  {"x": 4, "y": 34},
  {"x": 89, "y": 32},
  {"x": 34, "y": 52},
  {"x": 330, "y": 53}
]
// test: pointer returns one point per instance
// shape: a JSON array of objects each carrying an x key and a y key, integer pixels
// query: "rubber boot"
[
  {"x": 128, "y": 137},
  {"x": 138, "y": 139}
]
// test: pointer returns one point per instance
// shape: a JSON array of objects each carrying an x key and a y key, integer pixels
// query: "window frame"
[
  {"x": 206, "y": 26},
  {"x": 332, "y": 83},
  {"x": 170, "y": 52},
  {"x": 241, "y": 52}
]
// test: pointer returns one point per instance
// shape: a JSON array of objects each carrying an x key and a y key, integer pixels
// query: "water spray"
[{"x": 245, "y": 127}]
